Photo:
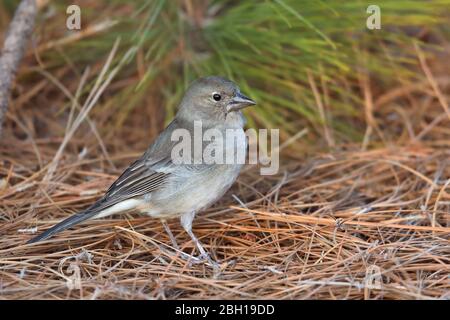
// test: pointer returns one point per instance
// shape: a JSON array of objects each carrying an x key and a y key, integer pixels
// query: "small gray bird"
[{"x": 155, "y": 185}]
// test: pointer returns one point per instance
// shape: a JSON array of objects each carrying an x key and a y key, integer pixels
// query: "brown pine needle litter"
[
  {"x": 349, "y": 223},
  {"x": 345, "y": 225},
  {"x": 367, "y": 220}
]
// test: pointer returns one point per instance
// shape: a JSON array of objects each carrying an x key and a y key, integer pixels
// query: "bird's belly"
[
  {"x": 195, "y": 193},
  {"x": 195, "y": 187}
]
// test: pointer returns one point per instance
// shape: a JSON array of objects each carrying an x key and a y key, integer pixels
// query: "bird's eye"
[{"x": 216, "y": 97}]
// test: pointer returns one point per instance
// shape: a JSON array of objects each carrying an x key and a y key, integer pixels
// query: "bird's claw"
[
  {"x": 205, "y": 257},
  {"x": 202, "y": 258}
]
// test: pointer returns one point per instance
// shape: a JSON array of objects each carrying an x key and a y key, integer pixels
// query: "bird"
[{"x": 158, "y": 186}]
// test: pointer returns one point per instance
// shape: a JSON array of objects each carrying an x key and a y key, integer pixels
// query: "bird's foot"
[
  {"x": 204, "y": 258},
  {"x": 192, "y": 259}
]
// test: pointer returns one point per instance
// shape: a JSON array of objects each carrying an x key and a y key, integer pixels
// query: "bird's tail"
[{"x": 67, "y": 223}]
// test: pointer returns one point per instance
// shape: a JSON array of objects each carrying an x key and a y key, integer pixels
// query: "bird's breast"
[{"x": 197, "y": 186}]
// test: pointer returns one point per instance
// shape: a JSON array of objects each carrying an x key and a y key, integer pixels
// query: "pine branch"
[{"x": 14, "y": 46}]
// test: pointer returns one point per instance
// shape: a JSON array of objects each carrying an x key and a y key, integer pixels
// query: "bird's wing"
[
  {"x": 136, "y": 181},
  {"x": 146, "y": 174},
  {"x": 142, "y": 177},
  {"x": 139, "y": 179}
]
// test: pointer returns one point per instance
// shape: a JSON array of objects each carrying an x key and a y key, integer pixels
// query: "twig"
[
  {"x": 18, "y": 33},
  {"x": 433, "y": 83}
]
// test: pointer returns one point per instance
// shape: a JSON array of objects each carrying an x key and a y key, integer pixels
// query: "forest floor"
[
  {"x": 363, "y": 220},
  {"x": 350, "y": 223}
]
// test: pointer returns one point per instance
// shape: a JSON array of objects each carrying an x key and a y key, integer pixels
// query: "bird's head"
[{"x": 213, "y": 98}]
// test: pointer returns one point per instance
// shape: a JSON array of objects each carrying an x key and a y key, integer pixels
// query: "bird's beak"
[{"x": 239, "y": 102}]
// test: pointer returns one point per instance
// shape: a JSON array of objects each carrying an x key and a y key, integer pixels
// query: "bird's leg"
[
  {"x": 186, "y": 221},
  {"x": 169, "y": 232},
  {"x": 175, "y": 244}
]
